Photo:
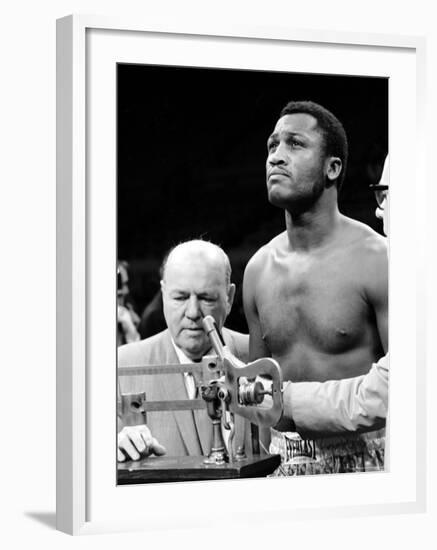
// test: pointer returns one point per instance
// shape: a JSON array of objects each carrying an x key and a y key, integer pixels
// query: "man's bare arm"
[
  {"x": 376, "y": 288},
  {"x": 257, "y": 345}
]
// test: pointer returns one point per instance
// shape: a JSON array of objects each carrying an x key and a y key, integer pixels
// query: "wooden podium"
[{"x": 161, "y": 469}]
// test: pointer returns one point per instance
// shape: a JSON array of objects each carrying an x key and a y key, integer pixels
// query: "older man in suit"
[{"x": 196, "y": 282}]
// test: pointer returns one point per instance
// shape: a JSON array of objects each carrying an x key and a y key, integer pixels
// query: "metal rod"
[
  {"x": 215, "y": 337},
  {"x": 138, "y": 370},
  {"x": 176, "y": 405}
]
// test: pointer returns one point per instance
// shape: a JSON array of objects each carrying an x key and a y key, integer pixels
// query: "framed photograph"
[{"x": 162, "y": 137}]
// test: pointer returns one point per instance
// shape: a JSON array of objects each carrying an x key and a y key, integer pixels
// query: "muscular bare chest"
[{"x": 313, "y": 302}]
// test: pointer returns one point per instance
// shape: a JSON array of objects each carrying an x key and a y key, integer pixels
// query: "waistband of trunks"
[{"x": 368, "y": 447}]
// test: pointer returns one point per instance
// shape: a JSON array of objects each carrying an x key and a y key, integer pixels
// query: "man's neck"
[
  {"x": 314, "y": 227},
  {"x": 184, "y": 357}
]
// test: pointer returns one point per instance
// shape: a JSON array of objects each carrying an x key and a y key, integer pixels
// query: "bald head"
[
  {"x": 203, "y": 251},
  {"x": 195, "y": 283}
]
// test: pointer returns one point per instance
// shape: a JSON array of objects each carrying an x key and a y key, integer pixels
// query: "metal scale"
[{"x": 226, "y": 387}]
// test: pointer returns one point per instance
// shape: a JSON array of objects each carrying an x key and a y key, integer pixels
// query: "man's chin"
[
  {"x": 293, "y": 203},
  {"x": 276, "y": 198}
]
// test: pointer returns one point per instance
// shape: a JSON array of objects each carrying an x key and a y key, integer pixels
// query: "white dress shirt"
[{"x": 190, "y": 383}]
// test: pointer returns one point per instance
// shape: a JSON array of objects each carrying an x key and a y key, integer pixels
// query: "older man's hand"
[{"x": 135, "y": 442}]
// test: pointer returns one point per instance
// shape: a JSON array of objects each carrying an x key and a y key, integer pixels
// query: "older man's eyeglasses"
[{"x": 381, "y": 192}]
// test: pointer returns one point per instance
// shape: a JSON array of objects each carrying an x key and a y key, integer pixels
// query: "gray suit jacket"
[{"x": 183, "y": 433}]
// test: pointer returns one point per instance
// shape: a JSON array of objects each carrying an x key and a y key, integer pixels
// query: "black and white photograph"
[
  {"x": 219, "y": 217},
  {"x": 252, "y": 273}
]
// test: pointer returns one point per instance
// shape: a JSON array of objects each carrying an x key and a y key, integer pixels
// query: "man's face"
[
  {"x": 296, "y": 162},
  {"x": 194, "y": 286}
]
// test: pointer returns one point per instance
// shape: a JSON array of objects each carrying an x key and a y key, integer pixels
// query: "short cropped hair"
[
  {"x": 201, "y": 243},
  {"x": 332, "y": 129}
]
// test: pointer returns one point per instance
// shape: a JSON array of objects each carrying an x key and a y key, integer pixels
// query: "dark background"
[{"x": 191, "y": 157}]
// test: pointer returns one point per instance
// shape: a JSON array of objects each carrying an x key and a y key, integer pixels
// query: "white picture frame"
[{"x": 80, "y": 424}]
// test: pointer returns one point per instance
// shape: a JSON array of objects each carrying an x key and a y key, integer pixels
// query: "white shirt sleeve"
[{"x": 350, "y": 405}]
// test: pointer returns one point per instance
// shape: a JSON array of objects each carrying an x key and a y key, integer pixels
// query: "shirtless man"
[{"x": 315, "y": 296}]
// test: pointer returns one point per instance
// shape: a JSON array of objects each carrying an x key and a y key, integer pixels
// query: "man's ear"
[
  {"x": 334, "y": 167},
  {"x": 162, "y": 283},
  {"x": 231, "y": 296}
]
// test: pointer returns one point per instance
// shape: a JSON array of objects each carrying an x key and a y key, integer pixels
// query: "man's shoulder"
[
  {"x": 258, "y": 260},
  {"x": 368, "y": 258},
  {"x": 142, "y": 349},
  {"x": 365, "y": 239}
]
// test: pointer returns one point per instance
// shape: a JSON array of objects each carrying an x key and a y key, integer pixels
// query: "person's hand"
[{"x": 135, "y": 442}]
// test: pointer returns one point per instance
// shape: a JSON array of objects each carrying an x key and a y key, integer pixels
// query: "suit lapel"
[
  {"x": 173, "y": 388},
  {"x": 194, "y": 426},
  {"x": 242, "y": 426},
  {"x": 204, "y": 429}
]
